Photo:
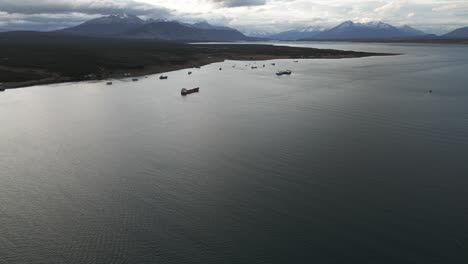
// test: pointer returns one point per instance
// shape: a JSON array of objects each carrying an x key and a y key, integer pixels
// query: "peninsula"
[{"x": 32, "y": 58}]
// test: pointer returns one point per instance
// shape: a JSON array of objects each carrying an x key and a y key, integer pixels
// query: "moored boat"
[
  {"x": 287, "y": 72},
  {"x": 162, "y": 77},
  {"x": 185, "y": 91},
  {"x": 109, "y": 83}
]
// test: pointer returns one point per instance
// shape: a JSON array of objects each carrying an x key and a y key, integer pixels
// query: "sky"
[{"x": 433, "y": 16}]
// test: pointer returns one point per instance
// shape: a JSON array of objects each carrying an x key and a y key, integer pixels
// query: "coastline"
[
  {"x": 156, "y": 69},
  {"x": 46, "y": 61}
]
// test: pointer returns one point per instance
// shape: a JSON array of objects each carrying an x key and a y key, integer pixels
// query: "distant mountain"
[
  {"x": 372, "y": 30},
  {"x": 457, "y": 33},
  {"x": 129, "y": 26},
  {"x": 106, "y": 26},
  {"x": 412, "y": 31},
  {"x": 296, "y": 34},
  {"x": 174, "y": 30},
  {"x": 206, "y": 25}
]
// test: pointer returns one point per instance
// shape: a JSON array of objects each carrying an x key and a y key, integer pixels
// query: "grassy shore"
[{"x": 29, "y": 58}]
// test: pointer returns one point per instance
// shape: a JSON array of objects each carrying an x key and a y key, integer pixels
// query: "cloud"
[
  {"x": 434, "y": 16},
  {"x": 445, "y": 7},
  {"x": 239, "y": 3},
  {"x": 392, "y": 6},
  {"x": 104, "y": 7}
]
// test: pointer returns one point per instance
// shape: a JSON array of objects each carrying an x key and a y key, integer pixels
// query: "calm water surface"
[{"x": 345, "y": 161}]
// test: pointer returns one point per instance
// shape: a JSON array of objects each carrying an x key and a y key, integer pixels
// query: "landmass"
[{"x": 28, "y": 59}]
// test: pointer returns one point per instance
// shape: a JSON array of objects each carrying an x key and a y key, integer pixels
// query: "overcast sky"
[{"x": 434, "y": 16}]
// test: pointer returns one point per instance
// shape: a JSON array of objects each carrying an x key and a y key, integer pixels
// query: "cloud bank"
[{"x": 434, "y": 16}]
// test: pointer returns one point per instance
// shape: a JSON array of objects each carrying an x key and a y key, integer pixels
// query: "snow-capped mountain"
[
  {"x": 206, "y": 25},
  {"x": 174, "y": 30},
  {"x": 108, "y": 25},
  {"x": 116, "y": 19},
  {"x": 129, "y": 26},
  {"x": 300, "y": 33},
  {"x": 371, "y": 30}
]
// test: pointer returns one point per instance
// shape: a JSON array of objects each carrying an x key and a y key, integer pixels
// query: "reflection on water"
[{"x": 344, "y": 161}]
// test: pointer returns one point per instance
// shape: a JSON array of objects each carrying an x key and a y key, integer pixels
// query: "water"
[{"x": 345, "y": 161}]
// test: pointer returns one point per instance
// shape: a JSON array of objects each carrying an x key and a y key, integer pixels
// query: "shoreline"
[
  {"x": 56, "y": 79},
  {"x": 126, "y": 59}
]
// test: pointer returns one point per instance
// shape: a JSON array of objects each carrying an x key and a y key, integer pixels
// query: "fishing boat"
[
  {"x": 254, "y": 67},
  {"x": 287, "y": 72},
  {"x": 184, "y": 91},
  {"x": 135, "y": 79},
  {"x": 162, "y": 77},
  {"x": 109, "y": 83}
]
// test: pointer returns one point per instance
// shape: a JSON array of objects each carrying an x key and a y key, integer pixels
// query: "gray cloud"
[
  {"x": 32, "y": 7},
  {"x": 56, "y": 14},
  {"x": 239, "y": 3},
  {"x": 434, "y": 16}
]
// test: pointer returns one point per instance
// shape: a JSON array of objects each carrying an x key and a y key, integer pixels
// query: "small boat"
[
  {"x": 296, "y": 61},
  {"x": 220, "y": 69},
  {"x": 273, "y": 64},
  {"x": 162, "y": 77},
  {"x": 135, "y": 79},
  {"x": 254, "y": 67},
  {"x": 189, "y": 73},
  {"x": 263, "y": 65},
  {"x": 184, "y": 91},
  {"x": 109, "y": 83},
  {"x": 287, "y": 72}
]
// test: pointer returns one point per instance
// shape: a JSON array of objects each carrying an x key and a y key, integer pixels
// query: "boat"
[
  {"x": 189, "y": 73},
  {"x": 134, "y": 79},
  {"x": 109, "y": 83},
  {"x": 273, "y": 64},
  {"x": 162, "y": 77},
  {"x": 220, "y": 69},
  {"x": 254, "y": 67},
  {"x": 184, "y": 91},
  {"x": 287, "y": 72}
]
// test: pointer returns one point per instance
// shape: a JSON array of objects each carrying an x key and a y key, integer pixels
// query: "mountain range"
[
  {"x": 130, "y": 26},
  {"x": 458, "y": 33},
  {"x": 351, "y": 30},
  {"x": 133, "y": 27}
]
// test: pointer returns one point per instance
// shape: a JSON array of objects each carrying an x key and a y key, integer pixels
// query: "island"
[{"x": 29, "y": 58}]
